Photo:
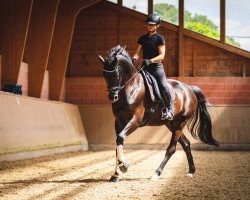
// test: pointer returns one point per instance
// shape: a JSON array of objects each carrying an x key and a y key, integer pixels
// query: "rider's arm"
[
  {"x": 161, "y": 55},
  {"x": 138, "y": 52}
]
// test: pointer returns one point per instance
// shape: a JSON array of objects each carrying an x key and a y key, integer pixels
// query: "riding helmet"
[{"x": 153, "y": 19}]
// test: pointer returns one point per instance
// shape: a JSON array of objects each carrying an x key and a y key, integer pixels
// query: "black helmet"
[{"x": 153, "y": 19}]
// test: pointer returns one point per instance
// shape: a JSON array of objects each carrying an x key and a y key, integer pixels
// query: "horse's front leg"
[{"x": 121, "y": 134}]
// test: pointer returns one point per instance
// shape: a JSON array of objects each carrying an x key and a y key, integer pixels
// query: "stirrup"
[{"x": 166, "y": 114}]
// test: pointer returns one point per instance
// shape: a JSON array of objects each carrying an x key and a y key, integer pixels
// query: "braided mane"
[{"x": 118, "y": 50}]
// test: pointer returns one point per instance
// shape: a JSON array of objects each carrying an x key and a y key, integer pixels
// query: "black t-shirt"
[{"x": 150, "y": 45}]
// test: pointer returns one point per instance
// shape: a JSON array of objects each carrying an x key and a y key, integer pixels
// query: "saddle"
[{"x": 153, "y": 88}]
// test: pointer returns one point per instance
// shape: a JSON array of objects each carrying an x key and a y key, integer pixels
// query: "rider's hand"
[
  {"x": 146, "y": 62},
  {"x": 133, "y": 61}
]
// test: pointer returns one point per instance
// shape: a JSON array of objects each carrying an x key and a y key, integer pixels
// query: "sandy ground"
[{"x": 85, "y": 175}]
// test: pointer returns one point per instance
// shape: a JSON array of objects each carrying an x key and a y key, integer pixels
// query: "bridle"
[
  {"x": 114, "y": 88},
  {"x": 119, "y": 87}
]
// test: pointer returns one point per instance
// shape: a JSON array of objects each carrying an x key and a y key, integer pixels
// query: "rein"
[{"x": 131, "y": 78}]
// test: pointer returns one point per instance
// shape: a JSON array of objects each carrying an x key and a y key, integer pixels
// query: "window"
[
  {"x": 167, "y": 10},
  {"x": 203, "y": 17},
  {"x": 138, "y": 5},
  {"x": 238, "y": 23},
  {"x": 114, "y": 1}
]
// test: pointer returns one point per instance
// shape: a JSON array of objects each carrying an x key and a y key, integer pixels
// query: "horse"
[{"x": 133, "y": 108}]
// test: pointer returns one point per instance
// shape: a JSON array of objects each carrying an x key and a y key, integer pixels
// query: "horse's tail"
[{"x": 200, "y": 125}]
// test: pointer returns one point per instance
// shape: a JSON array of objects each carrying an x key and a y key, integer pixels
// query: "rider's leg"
[{"x": 161, "y": 79}]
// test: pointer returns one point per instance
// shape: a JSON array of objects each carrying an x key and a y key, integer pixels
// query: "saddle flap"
[
  {"x": 148, "y": 84},
  {"x": 153, "y": 87}
]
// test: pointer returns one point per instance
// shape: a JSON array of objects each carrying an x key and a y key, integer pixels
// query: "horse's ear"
[
  {"x": 101, "y": 59},
  {"x": 125, "y": 47},
  {"x": 118, "y": 52}
]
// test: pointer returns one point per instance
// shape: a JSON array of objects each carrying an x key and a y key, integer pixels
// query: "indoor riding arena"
[{"x": 58, "y": 136}]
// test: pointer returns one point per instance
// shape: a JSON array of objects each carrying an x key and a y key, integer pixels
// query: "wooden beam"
[
  {"x": 15, "y": 20},
  {"x": 168, "y": 56},
  {"x": 150, "y": 6},
  {"x": 194, "y": 59},
  {"x": 120, "y": 2},
  {"x": 39, "y": 35},
  {"x": 61, "y": 42},
  {"x": 222, "y": 21},
  {"x": 181, "y": 38},
  {"x": 1, "y": 31}
]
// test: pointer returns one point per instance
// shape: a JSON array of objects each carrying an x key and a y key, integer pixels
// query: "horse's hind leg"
[
  {"x": 169, "y": 152},
  {"x": 186, "y": 147}
]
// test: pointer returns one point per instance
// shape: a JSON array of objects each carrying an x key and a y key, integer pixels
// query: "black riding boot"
[{"x": 166, "y": 112}]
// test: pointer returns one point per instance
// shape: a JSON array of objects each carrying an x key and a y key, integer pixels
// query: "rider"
[{"x": 152, "y": 46}]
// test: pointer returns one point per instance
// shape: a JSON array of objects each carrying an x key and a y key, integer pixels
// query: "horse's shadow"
[
  {"x": 36, "y": 181},
  {"x": 89, "y": 180}
]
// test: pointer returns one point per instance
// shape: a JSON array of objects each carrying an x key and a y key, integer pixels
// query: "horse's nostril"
[{"x": 115, "y": 98}]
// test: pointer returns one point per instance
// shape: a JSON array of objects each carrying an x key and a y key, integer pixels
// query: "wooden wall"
[
  {"x": 73, "y": 33},
  {"x": 107, "y": 28},
  {"x": 112, "y": 25},
  {"x": 27, "y": 34},
  {"x": 15, "y": 21},
  {"x": 1, "y": 22},
  {"x": 202, "y": 59},
  {"x": 37, "y": 47}
]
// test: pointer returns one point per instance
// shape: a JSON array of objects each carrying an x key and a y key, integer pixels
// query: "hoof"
[
  {"x": 155, "y": 177},
  {"x": 190, "y": 175},
  {"x": 124, "y": 167},
  {"x": 114, "y": 179}
]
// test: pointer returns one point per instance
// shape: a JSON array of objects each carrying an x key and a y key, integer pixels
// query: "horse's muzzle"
[{"x": 113, "y": 96}]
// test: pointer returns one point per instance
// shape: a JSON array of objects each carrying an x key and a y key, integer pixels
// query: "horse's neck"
[{"x": 128, "y": 72}]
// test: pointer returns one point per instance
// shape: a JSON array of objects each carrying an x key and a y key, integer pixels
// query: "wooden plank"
[
  {"x": 15, "y": 20},
  {"x": 1, "y": 31},
  {"x": 150, "y": 6},
  {"x": 194, "y": 60},
  {"x": 0, "y": 71},
  {"x": 168, "y": 55},
  {"x": 181, "y": 38},
  {"x": 222, "y": 21},
  {"x": 174, "y": 28},
  {"x": 61, "y": 42},
  {"x": 39, "y": 35},
  {"x": 216, "y": 43},
  {"x": 201, "y": 59},
  {"x": 135, "y": 14}
]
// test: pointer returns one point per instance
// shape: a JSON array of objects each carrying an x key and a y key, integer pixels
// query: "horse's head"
[{"x": 116, "y": 59}]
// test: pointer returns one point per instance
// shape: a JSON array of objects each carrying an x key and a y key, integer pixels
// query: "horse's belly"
[{"x": 154, "y": 117}]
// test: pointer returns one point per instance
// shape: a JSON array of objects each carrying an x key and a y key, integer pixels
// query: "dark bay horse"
[{"x": 133, "y": 108}]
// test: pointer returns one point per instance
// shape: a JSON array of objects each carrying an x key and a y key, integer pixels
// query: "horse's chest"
[{"x": 122, "y": 112}]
